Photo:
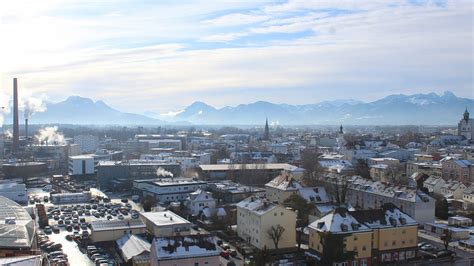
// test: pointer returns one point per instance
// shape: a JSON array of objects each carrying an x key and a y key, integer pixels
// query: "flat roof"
[
  {"x": 266, "y": 166},
  {"x": 164, "y": 218},
  {"x": 116, "y": 225}
]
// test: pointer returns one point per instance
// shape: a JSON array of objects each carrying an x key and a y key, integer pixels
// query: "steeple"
[
  {"x": 266, "y": 135},
  {"x": 466, "y": 115},
  {"x": 340, "y": 130}
]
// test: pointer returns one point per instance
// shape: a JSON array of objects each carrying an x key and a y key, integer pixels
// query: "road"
[{"x": 464, "y": 258}]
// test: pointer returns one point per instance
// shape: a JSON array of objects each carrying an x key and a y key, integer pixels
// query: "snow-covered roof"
[
  {"x": 183, "y": 247},
  {"x": 336, "y": 164},
  {"x": 256, "y": 205},
  {"x": 200, "y": 195},
  {"x": 132, "y": 245},
  {"x": 433, "y": 180},
  {"x": 338, "y": 221},
  {"x": 164, "y": 218},
  {"x": 388, "y": 216},
  {"x": 314, "y": 194},
  {"x": 284, "y": 181},
  {"x": 105, "y": 225}
]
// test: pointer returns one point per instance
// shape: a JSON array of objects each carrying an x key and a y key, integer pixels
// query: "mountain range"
[{"x": 417, "y": 109}]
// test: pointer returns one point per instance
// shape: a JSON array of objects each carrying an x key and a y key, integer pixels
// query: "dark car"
[{"x": 225, "y": 254}]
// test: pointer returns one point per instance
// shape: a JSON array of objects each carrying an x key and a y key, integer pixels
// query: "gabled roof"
[
  {"x": 339, "y": 221},
  {"x": 200, "y": 195},
  {"x": 132, "y": 245},
  {"x": 256, "y": 205},
  {"x": 284, "y": 181},
  {"x": 388, "y": 216},
  {"x": 314, "y": 194}
]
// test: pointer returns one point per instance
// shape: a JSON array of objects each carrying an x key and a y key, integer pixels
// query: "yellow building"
[
  {"x": 257, "y": 216},
  {"x": 364, "y": 237}
]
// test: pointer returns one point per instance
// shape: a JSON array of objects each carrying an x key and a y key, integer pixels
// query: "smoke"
[
  {"x": 8, "y": 134},
  {"x": 31, "y": 105},
  {"x": 50, "y": 135},
  {"x": 4, "y": 106},
  {"x": 162, "y": 172}
]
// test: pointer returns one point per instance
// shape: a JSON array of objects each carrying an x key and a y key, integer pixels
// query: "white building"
[
  {"x": 14, "y": 191},
  {"x": 87, "y": 143},
  {"x": 78, "y": 197},
  {"x": 453, "y": 189},
  {"x": 168, "y": 189},
  {"x": 434, "y": 184},
  {"x": 367, "y": 194},
  {"x": 165, "y": 223},
  {"x": 189, "y": 250},
  {"x": 81, "y": 165},
  {"x": 468, "y": 198},
  {"x": 198, "y": 200}
]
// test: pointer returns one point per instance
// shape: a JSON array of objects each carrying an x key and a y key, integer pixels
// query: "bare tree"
[
  {"x": 310, "y": 162},
  {"x": 339, "y": 189},
  {"x": 447, "y": 237},
  {"x": 276, "y": 233}
]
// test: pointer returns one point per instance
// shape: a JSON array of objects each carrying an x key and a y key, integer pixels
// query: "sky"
[{"x": 160, "y": 56}]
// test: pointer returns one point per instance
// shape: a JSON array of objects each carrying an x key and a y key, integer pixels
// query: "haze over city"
[{"x": 236, "y": 133}]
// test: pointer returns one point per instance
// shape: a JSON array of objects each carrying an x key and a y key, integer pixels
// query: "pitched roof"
[
  {"x": 132, "y": 245},
  {"x": 284, "y": 181},
  {"x": 256, "y": 205},
  {"x": 338, "y": 221},
  {"x": 388, "y": 216}
]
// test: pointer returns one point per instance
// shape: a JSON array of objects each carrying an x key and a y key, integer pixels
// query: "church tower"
[
  {"x": 465, "y": 126},
  {"x": 266, "y": 135}
]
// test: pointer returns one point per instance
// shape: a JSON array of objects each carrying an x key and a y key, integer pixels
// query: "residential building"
[
  {"x": 189, "y": 250},
  {"x": 198, "y": 200},
  {"x": 434, "y": 184},
  {"x": 368, "y": 194},
  {"x": 385, "y": 161},
  {"x": 167, "y": 190},
  {"x": 453, "y": 189},
  {"x": 105, "y": 230},
  {"x": 165, "y": 223},
  {"x": 14, "y": 191},
  {"x": 468, "y": 198},
  {"x": 336, "y": 166},
  {"x": 363, "y": 237},
  {"x": 460, "y": 170},
  {"x": 257, "y": 216},
  {"x": 282, "y": 187},
  {"x": 425, "y": 167}
]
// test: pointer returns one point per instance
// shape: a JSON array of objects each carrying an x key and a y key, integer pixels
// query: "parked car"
[
  {"x": 233, "y": 252},
  {"x": 428, "y": 247},
  {"x": 225, "y": 254}
]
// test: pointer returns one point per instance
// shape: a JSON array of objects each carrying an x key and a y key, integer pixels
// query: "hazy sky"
[{"x": 163, "y": 55}]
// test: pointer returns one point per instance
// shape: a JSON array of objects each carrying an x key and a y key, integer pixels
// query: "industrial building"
[{"x": 167, "y": 190}]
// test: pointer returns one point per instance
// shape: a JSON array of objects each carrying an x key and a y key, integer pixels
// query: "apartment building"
[
  {"x": 257, "y": 216},
  {"x": 468, "y": 198},
  {"x": 425, "y": 167},
  {"x": 453, "y": 189},
  {"x": 363, "y": 237},
  {"x": 434, "y": 184},
  {"x": 461, "y": 170},
  {"x": 282, "y": 187},
  {"x": 367, "y": 194}
]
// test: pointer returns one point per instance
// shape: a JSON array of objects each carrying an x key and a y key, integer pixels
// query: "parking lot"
[{"x": 69, "y": 225}]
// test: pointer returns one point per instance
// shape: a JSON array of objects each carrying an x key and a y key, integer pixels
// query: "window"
[
  {"x": 364, "y": 248},
  {"x": 196, "y": 264},
  {"x": 394, "y": 243}
]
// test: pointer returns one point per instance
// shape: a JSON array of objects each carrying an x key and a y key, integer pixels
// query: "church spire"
[
  {"x": 466, "y": 115},
  {"x": 266, "y": 135},
  {"x": 340, "y": 130}
]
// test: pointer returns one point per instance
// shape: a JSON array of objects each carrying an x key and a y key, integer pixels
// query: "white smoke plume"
[
  {"x": 50, "y": 135},
  {"x": 162, "y": 172},
  {"x": 4, "y": 106},
  {"x": 32, "y": 105},
  {"x": 8, "y": 134}
]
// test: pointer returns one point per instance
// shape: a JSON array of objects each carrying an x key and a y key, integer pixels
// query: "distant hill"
[
  {"x": 80, "y": 110},
  {"x": 425, "y": 109}
]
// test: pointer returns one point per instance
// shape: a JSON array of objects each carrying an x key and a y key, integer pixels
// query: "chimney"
[
  {"x": 16, "y": 127},
  {"x": 26, "y": 130}
]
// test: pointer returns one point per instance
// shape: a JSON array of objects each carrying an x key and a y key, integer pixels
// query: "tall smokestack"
[
  {"x": 26, "y": 130},
  {"x": 16, "y": 126}
]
